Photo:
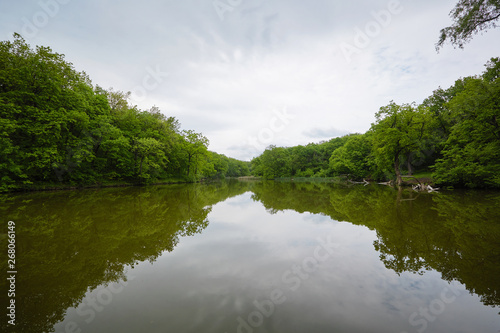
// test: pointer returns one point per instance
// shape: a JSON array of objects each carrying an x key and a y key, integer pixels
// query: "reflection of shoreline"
[
  {"x": 72, "y": 242},
  {"x": 453, "y": 233},
  {"x": 96, "y": 186}
]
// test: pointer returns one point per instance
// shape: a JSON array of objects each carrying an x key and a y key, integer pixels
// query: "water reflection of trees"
[
  {"x": 72, "y": 242},
  {"x": 454, "y": 233}
]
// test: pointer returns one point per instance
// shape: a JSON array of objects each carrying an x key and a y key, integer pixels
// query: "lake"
[{"x": 255, "y": 257}]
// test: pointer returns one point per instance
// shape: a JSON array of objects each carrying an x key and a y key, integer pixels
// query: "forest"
[
  {"x": 56, "y": 127},
  {"x": 454, "y": 135}
]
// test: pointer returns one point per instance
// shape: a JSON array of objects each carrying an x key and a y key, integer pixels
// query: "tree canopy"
[
  {"x": 58, "y": 128},
  {"x": 469, "y": 18},
  {"x": 398, "y": 131},
  {"x": 454, "y": 133}
]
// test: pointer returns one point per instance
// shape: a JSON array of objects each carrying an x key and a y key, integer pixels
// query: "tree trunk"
[
  {"x": 189, "y": 164},
  {"x": 399, "y": 180},
  {"x": 410, "y": 167}
]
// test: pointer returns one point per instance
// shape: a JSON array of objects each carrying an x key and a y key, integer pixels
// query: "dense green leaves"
[
  {"x": 300, "y": 161},
  {"x": 398, "y": 131},
  {"x": 471, "y": 155},
  {"x": 455, "y": 132},
  {"x": 353, "y": 158},
  {"x": 469, "y": 18},
  {"x": 56, "y": 127}
]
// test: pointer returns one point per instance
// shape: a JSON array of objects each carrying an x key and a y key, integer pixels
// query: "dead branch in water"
[
  {"x": 423, "y": 187},
  {"x": 356, "y": 183},
  {"x": 389, "y": 183}
]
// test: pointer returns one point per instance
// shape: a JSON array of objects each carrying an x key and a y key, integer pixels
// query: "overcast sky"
[{"x": 250, "y": 73}]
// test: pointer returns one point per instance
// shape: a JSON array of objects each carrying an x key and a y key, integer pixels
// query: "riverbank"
[
  {"x": 420, "y": 178},
  {"x": 66, "y": 187}
]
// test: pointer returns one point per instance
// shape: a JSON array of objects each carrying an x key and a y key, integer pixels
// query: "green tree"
[
  {"x": 353, "y": 157},
  {"x": 492, "y": 71},
  {"x": 440, "y": 122},
  {"x": 397, "y": 132},
  {"x": 216, "y": 165},
  {"x": 149, "y": 154},
  {"x": 9, "y": 169},
  {"x": 195, "y": 148},
  {"x": 275, "y": 163},
  {"x": 471, "y": 155},
  {"x": 469, "y": 18},
  {"x": 56, "y": 127},
  {"x": 441, "y": 116},
  {"x": 237, "y": 168},
  {"x": 47, "y": 107}
]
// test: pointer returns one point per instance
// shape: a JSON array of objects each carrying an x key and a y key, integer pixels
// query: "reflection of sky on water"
[{"x": 212, "y": 279}]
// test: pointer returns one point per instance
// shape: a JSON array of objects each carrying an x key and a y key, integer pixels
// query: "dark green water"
[{"x": 254, "y": 257}]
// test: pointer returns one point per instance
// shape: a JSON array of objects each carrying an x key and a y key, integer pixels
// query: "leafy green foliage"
[
  {"x": 56, "y": 127},
  {"x": 397, "y": 132},
  {"x": 455, "y": 132},
  {"x": 300, "y": 161},
  {"x": 471, "y": 155},
  {"x": 273, "y": 163},
  {"x": 469, "y": 18},
  {"x": 353, "y": 158},
  {"x": 195, "y": 147}
]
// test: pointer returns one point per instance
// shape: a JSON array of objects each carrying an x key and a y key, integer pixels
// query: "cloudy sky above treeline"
[{"x": 250, "y": 73}]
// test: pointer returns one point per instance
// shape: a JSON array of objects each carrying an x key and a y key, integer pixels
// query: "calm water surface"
[{"x": 255, "y": 257}]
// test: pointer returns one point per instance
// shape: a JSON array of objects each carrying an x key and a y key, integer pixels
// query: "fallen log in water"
[
  {"x": 355, "y": 183},
  {"x": 423, "y": 187}
]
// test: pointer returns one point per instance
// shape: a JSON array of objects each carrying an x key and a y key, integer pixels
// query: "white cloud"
[
  {"x": 227, "y": 76},
  {"x": 324, "y": 133}
]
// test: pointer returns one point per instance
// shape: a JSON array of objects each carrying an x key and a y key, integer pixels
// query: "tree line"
[
  {"x": 56, "y": 127},
  {"x": 454, "y": 133}
]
